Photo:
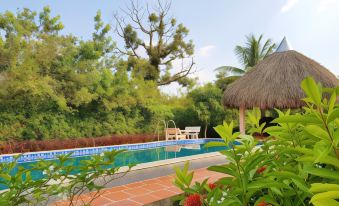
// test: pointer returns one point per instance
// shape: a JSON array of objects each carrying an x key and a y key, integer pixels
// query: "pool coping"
[
  {"x": 88, "y": 151},
  {"x": 160, "y": 163}
]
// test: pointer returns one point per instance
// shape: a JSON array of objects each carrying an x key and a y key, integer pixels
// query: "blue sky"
[{"x": 217, "y": 26}]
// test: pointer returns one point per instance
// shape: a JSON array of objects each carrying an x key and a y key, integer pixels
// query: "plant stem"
[
  {"x": 328, "y": 131},
  {"x": 240, "y": 176}
]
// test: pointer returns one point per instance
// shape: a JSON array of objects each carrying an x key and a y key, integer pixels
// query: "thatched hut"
[{"x": 275, "y": 82}]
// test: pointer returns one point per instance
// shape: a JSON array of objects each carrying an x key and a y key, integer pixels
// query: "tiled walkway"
[{"x": 144, "y": 192}]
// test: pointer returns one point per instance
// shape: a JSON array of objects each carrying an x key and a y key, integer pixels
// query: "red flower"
[
  {"x": 261, "y": 169},
  {"x": 193, "y": 200},
  {"x": 212, "y": 186},
  {"x": 262, "y": 203}
]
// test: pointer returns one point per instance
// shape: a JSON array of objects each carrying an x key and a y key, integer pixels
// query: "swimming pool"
[{"x": 134, "y": 154}]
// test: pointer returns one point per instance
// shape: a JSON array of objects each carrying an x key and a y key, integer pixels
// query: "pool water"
[{"x": 141, "y": 156}]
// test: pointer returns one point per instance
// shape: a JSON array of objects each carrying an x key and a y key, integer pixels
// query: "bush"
[
  {"x": 70, "y": 180},
  {"x": 297, "y": 165},
  {"x": 9, "y": 147}
]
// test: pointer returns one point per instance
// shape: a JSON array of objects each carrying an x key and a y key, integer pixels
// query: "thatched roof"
[{"x": 275, "y": 82}]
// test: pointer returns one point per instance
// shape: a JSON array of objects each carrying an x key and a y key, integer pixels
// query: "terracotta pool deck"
[{"x": 143, "y": 192}]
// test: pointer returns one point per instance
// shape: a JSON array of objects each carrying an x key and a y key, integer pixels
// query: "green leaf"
[
  {"x": 334, "y": 114},
  {"x": 222, "y": 169},
  {"x": 222, "y": 131},
  {"x": 298, "y": 118},
  {"x": 326, "y": 202},
  {"x": 300, "y": 184},
  {"x": 215, "y": 144},
  {"x": 325, "y": 195},
  {"x": 323, "y": 187},
  {"x": 322, "y": 172},
  {"x": 317, "y": 131},
  {"x": 260, "y": 184},
  {"x": 5, "y": 176},
  {"x": 311, "y": 89},
  {"x": 332, "y": 101},
  {"x": 226, "y": 180}
]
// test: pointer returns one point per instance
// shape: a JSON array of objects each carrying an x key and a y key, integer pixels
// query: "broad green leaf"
[
  {"x": 226, "y": 180},
  {"x": 297, "y": 119},
  {"x": 222, "y": 131},
  {"x": 325, "y": 195},
  {"x": 300, "y": 184},
  {"x": 260, "y": 184},
  {"x": 311, "y": 89},
  {"x": 5, "y": 176},
  {"x": 325, "y": 202},
  {"x": 331, "y": 103},
  {"x": 334, "y": 114},
  {"x": 215, "y": 144},
  {"x": 317, "y": 131},
  {"x": 323, "y": 187},
  {"x": 222, "y": 169},
  {"x": 322, "y": 172}
]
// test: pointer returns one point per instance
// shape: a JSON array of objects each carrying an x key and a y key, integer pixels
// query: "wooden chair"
[{"x": 174, "y": 134}]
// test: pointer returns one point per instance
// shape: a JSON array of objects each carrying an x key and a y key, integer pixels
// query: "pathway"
[{"x": 144, "y": 192}]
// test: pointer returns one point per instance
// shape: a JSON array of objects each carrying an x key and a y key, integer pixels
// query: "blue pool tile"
[{"x": 92, "y": 151}]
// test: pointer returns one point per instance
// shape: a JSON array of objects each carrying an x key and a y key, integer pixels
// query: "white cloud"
[
  {"x": 325, "y": 4},
  {"x": 288, "y": 5},
  {"x": 206, "y": 50}
]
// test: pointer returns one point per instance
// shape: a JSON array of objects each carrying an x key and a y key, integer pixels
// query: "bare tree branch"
[
  {"x": 185, "y": 71},
  {"x": 164, "y": 43},
  {"x": 119, "y": 29}
]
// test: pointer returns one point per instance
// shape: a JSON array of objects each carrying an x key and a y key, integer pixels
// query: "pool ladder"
[{"x": 165, "y": 126}]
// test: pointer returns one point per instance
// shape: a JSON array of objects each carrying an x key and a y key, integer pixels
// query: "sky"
[{"x": 216, "y": 27}]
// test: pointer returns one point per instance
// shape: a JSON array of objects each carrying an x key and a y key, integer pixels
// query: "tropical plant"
[
  {"x": 249, "y": 56},
  {"x": 207, "y": 105},
  {"x": 314, "y": 137},
  {"x": 297, "y": 165},
  {"x": 61, "y": 178}
]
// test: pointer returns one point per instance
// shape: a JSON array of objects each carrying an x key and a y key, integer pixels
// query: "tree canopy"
[{"x": 160, "y": 38}]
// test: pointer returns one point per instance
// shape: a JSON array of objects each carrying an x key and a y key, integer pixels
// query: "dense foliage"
[
  {"x": 297, "y": 165},
  {"x": 60, "y": 86}
]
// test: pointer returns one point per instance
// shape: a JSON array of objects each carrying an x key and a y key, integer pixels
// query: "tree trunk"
[
  {"x": 242, "y": 120},
  {"x": 205, "y": 134}
]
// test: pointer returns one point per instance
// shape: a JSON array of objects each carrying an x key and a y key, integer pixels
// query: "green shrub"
[
  {"x": 60, "y": 178},
  {"x": 297, "y": 165}
]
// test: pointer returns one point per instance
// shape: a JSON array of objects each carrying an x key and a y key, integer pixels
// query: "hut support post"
[{"x": 242, "y": 120}]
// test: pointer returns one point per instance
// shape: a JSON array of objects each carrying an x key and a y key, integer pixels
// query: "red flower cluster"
[
  {"x": 212, "y": 185},
  {"x": 262, "y": 203},
  {"x": 261, "y": 169},
  {"x": 193, "y": 200}
]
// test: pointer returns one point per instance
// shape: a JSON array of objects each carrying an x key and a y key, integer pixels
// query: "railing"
[
  {"x": 172, "y": 122},
  {"x": 165, "y": 127},
  {"x": 157, "y": 128}
]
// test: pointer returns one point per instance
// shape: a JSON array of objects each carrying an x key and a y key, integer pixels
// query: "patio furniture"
[
  {"x": 192, "y": 132},
  {"x": 174, "y": 134}
]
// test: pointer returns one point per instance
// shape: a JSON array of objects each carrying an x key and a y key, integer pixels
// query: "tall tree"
[
  {"x": 248, "y": 55},
  {"x": 206, "y": 103},
  {"x": 161, "y": 39}
]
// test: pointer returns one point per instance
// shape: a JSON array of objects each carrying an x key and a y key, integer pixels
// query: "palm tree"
[{"x": 248, "y": 55}]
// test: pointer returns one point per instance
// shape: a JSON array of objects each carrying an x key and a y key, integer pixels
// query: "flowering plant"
[{"x": 297, "y": 165}]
